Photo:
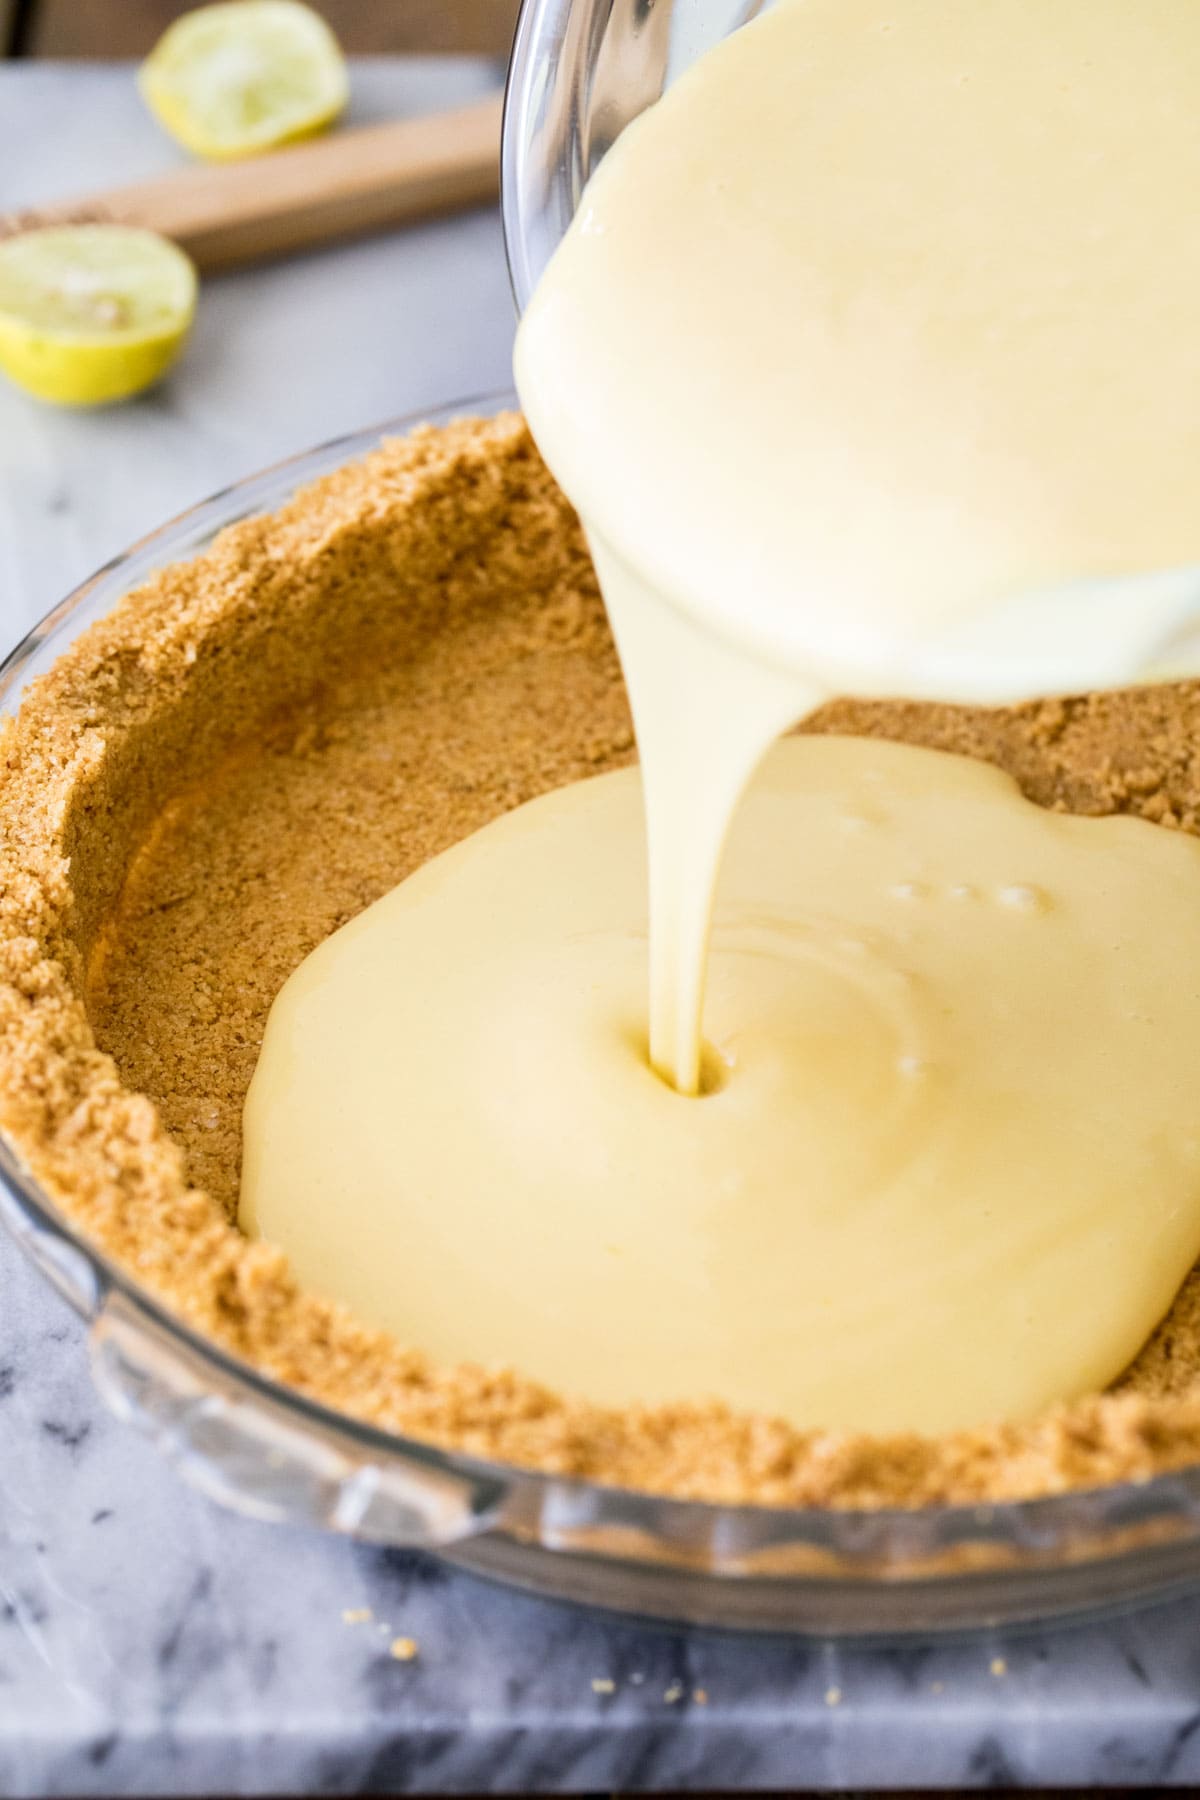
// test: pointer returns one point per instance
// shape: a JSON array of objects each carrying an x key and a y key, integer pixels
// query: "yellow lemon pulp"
[
  {"x": 91, "y": 313},
  {"x": 245, "y": 76}
]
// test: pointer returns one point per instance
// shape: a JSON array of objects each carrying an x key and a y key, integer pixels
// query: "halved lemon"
[
  {"x": 245, "y": 76},
  {"x": 90, "y": 313}
]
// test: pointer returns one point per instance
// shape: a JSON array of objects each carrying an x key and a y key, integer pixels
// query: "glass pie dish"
[{"x": 270, "y": 1452}]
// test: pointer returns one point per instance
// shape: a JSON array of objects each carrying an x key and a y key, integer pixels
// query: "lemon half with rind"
[
  {"x": 245, "y": 76},
  {"x": 92, "y": 313}
]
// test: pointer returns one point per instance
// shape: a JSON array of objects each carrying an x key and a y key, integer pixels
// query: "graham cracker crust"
[{"x": 255, "y": 745}]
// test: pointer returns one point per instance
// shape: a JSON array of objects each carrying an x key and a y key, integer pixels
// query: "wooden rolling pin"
[{"x": 346, "y": 183}]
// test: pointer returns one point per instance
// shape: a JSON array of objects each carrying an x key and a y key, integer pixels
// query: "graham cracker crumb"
[{"x": 257, "y": 744}]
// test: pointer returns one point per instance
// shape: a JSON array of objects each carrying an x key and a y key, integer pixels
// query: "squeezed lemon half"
[
  {"x": 90, "y": 313},
  {"x": 245, "y": 76}
]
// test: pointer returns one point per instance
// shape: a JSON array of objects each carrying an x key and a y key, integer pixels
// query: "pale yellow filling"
[{"x": 948, "y": 1168}]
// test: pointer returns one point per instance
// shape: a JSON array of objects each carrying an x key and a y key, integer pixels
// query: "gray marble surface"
[{"x": 150, "y": 1644}]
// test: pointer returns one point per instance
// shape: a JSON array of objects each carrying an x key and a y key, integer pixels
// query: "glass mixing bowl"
[{"x": 266, "y": 1451}]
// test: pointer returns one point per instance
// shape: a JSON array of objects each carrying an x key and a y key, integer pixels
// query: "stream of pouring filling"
[
  {"x": 945, "y": 1169},
  {"x": 870, "y": 362}
]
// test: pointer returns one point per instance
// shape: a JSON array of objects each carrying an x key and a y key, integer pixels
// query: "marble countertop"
[{"x": 151, "y": 1644}]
